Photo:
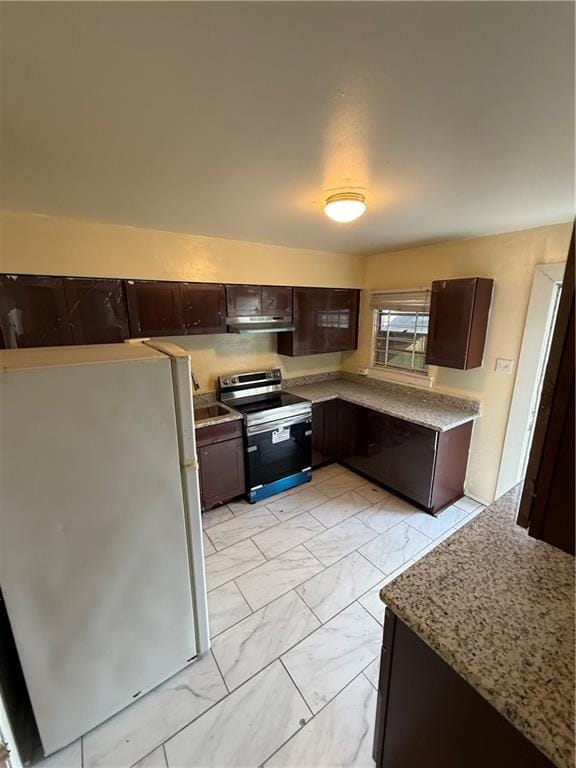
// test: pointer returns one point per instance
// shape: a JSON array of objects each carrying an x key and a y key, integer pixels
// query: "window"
[{"x": 400, "y": 330}]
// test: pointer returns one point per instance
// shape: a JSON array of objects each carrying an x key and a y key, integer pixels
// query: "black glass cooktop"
[{"x": 259, "y": 403}]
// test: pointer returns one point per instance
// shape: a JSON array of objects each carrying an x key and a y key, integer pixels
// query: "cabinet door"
[
  {"x": 340, "y": 320},
  {"x": 317, "y": 434},
  {"x": 331, "y": 419},
  {"x": 243, "y": 300},
  {"x": 326, "y": 320},
  {"x": 309, "y": 333},
  {"x": 154, "y": 308},
  {"x": 97, "y": 310},
  {"x": 276, "y": 300},
  {"x": 459, "y": 312},
  {"x": 221, "y": 472},
  {"x": 349, "y": 437},
  {"x": 203, "y": 307},
  {"x": 410, "y": 454},
  {"x": 33, "y": 312}
]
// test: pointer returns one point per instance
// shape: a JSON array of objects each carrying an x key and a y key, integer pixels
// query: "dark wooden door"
[
  {"x": 97, "y": 310},
  {"x": 276, "y": 300},
  {"x": 340, "y": 319},
  {"x": 203, "y": 307},
  {"x": 410, "y": 452},
  {"x": 547, "y": 504},
  {"x": 33, "y": 312},
  {"x": 221, "y": 472},
  {"x": 154, "y": 308},
  {"x": 243, "y": 300}
]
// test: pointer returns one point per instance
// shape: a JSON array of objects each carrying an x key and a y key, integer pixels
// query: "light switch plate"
[{"x": 503, "y": 365}]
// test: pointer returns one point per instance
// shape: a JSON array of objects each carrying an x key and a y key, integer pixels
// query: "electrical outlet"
[{"x": 503, "y": 365}]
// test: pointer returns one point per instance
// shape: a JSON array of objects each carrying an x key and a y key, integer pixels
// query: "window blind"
[{"x": 401, "y": 301}]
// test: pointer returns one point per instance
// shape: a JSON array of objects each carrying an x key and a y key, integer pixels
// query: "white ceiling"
[{"x": 230, "y": 119}]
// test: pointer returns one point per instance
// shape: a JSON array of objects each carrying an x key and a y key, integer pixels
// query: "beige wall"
[
  {"x": 38, "y": 244},
  {"x": 510, "y": 260}
]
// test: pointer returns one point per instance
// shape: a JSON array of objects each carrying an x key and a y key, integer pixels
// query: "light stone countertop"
[
  {"x": 429, "y": 409},
  {"x": 498, "y": 606},
  {"x": 208, "y": 399}
]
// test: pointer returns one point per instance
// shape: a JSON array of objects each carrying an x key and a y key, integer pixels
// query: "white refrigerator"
[{"x": 101, "y": 557}]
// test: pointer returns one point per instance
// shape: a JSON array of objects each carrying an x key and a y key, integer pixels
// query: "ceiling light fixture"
[{"x": 345, "y": 206}]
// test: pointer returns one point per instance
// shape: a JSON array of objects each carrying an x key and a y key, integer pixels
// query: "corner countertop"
[
  {"x": 498, "y": 606},
  {"x": 429, "y": 409}
]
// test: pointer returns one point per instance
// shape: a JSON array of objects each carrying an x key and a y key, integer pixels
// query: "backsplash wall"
[{"x": 220, "y": 354}]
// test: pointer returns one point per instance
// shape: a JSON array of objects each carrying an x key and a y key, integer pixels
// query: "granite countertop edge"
[
  {"x": 432, "y": 410},
  {"x": 381, "y": 408}
]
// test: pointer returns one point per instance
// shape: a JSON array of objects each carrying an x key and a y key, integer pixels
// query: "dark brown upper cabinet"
[
  {"x": 340, "y": 319},
  {"x": 326, "y": 320},
  {"x": 203, "y": 307},
  {"x": 459, "y": 312},
  {"x": 97, "y": 310},
  {"x": 258, "y": 300},
  {"x": 243, "y": 300},
  {"x": 154, "y": 308},
  {"x": 33, "y": 312},
  {"x": 276, "y": 300}
]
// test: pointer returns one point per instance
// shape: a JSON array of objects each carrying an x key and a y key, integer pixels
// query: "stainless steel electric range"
[{"x": 278, "y": 431}]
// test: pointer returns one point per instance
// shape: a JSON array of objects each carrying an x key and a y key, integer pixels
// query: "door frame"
[{"x": 529, "y": 373}]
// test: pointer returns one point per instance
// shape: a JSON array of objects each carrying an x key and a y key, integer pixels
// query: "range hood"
[{"x": 260, "y": 324}]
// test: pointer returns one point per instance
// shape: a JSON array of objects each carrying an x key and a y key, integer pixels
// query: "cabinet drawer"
[{"x": 216, "y": 433}]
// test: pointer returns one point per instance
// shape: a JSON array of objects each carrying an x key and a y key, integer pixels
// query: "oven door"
[{"x": 278, "y": 449}]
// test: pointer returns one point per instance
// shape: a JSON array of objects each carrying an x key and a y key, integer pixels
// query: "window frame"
[{"x": 415, "y": 376}]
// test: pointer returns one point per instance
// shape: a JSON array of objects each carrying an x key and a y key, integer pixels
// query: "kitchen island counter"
[{"x": 498, "y": 607}]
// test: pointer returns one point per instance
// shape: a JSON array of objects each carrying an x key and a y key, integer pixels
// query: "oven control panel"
[{"x": 273, "y": 375}]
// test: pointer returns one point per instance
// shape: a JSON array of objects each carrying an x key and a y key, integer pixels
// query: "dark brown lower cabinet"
[
  {"x": 427, "y": 715},
  {"x": 220, "y": 449},
  {"x": 325, "y": 432},
  {"x": 425, "y": 466}
]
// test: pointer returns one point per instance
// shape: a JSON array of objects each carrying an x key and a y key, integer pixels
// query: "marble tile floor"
[{"x": 296, "y": 625}]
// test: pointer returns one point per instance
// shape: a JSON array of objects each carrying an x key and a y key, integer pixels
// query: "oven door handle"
[{"x": 272, "y": 426}]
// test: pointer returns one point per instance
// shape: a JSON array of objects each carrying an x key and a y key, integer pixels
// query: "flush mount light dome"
[{"x": 345, "y": 206}]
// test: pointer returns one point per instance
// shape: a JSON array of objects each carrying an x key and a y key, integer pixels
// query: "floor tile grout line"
[
  {"x": 314, "y": 714},
  {"x": 220, "y": 672},
  {"x": 286, "y": 650},
  {"x": 326, "y": 568},
  {"x": 164, "y": 751},
  {"x": 279, "y": 658},
  {"x": 311, "y": 539},
  {"x": 295, "y": 684},
  {"x": 283, "y": 593},
  {"x": 218, "y": 551},
  {"x": 223, "y": 698}
]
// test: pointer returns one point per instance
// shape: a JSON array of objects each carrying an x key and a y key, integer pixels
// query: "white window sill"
[{"x": 421, "y": 380}]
